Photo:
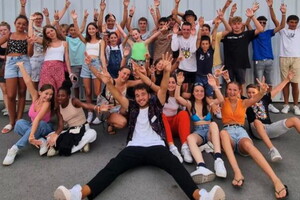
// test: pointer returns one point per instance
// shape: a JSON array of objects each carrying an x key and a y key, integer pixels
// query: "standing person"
[
  {"x": 259, "y": 120},
  {"x": 262, "y": 48},
  {"x": 95, "y": 48},
  {"x": 19, "y": 49},
  {"x": 204, "y": 128},
  {"x": 289, "y": 58},
  {"x": 79, "y": 134},
  {"x": 236, "y": 47},
  {"x": 4, "y": 30},
  {"x": 234, "y": 137},
  {"x": 40, "y": 111},
  {"x": 145, "y": 141},
  {"x": 56, "y": 57}
]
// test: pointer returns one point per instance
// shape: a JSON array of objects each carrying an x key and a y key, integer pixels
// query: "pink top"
[{"x": 32, "y": 114}]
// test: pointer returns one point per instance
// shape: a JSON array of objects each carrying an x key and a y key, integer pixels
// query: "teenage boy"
[
  {"x": 289, "y": 58},
  {"x": 146, "y": 145},
  {"x": 262, "y": 48},
  {"x": 236, "y": 47}
]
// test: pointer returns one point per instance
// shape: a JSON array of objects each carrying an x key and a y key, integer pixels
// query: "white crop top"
[
  {"x": 55, "y": 53},
  {"x": 93, "y": 49},
  {"x": 170, "y": 109}
]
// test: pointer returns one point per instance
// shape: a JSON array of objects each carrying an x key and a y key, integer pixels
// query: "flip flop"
[
  {"x": 287, "y": 192},
  {"x": 238, "y": 181},
  {"x": 7, "y": 129}
]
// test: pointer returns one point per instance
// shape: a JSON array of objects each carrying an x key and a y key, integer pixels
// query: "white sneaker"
[
  {"x": 187, "y": 157},
  {"x": 202, "y": 175},
  {"x": 10, "y": 156},
  {"x": 273, "y": 109},
  {"x": 43, "y": 146},
  {"x": 4, "y": 110},
  {"x": 208, "y": 147},
  {"x": 216, "y": 193},
  {"x": 275, "y": 155},
  {"x": 97, "y": 121},
  {"x": 286, "y": 108},
  {"x": 5, "y": 113},
  {"x": 176, "y": 153},
  {"x": 90, "y": 117},
  {"x": 296, "y": 110},
  {"x": 62, "y": 193},
  {"x": 52, "y": 152},
  {"x": 220, "y": 168}
]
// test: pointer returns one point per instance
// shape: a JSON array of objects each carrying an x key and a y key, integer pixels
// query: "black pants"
[{"x": 132, "y": 157}]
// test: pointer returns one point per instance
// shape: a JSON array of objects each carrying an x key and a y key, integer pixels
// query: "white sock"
[
  {"x": 172, "y": 147},
  {"x": 15, "y": 147},
  {"x": 184, "y": 146}
]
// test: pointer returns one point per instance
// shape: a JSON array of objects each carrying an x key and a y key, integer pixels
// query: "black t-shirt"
[
  {"x": 236, "y": 49},
  {"x": 260, "y": 110},
  {"x": 204, "y": 61}
]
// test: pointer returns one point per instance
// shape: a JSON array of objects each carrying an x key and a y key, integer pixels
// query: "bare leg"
[
  {"x": 11, "y": 86},
  {"x": 286, "y": 93},
  {"x": 246, "y": 146},
  {"x": 88, "y": 90},
  {"x": 262, "y": 133},
  {"x": 227, "y": 145},
  {"x": 97, "y": 86},
  {"x": 4, "y": 93},
  {"x": 215, "y": 136},
  {"x": 21, "y": 98},
  {"x": 117, "y": 120},
  {"x": 193, "y": 141},
  {"x": 85, "y": 191},
  {"x": 295, "y": 93},
  {"x": 293, "y": 122}
]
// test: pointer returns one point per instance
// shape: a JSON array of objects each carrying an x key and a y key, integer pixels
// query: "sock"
[
  {"x": 201, "y": 164},
  {"x": 217, "y": 155},
  {"x": 184, "y": 146},
  {"x": 172, "y": 147},
  {"x": 15, "y": 147}
]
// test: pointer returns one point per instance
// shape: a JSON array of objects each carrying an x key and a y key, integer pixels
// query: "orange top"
[{"x": 233, "y": 117}]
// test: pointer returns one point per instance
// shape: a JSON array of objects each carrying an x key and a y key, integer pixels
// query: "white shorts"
[{"x": 273, "y": 130}]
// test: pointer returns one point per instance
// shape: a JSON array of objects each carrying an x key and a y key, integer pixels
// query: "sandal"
[
  {"x": 7, "y": 129},
  {"x": 239, "y": 181},
  {"x": 278, "y": 192}
]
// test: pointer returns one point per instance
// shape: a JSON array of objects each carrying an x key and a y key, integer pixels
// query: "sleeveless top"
[
  {"x": 93, "y": 49},
  {"x": 17, "y": 46},
  {"x": 138, "y": 51},
  {"x": 237, "y": 116},
  {"x": 171, "y": 107},
  {"x": 72, "y": 115},
  {"x": 32, "y": 114},
  {"x": 55, "y": 53}
]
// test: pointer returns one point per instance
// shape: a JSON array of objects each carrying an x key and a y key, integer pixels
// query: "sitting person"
[
  {"x": 146, "y": 145},
  {"x": 259, "y": 119},
  {"x": 204, "y": 129},
  {"x": 234, "y": 137},
  {"x": 79, "y": 134},
  {"x": 40, "y": 114}
]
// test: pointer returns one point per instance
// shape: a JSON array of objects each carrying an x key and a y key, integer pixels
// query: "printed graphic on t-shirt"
[
  {"x": 259, "y": 110},
  {"x": 186, "y": 52}
]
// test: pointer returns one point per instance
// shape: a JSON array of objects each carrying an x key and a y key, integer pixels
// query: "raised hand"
[
  {"x": 74, "y": 14},
  {"x": 126, "y": 3},
  {"x": 102, "y": 5},
  {"x": 220, "y": 14},
  {"x": 225, "y": 75},
  {"x": 167, "y": 61},
  {"x": 56, "y": 15},
  {"x": 233, "y": 9},
  {"x": 269, "y": 3},
  {"x": 152, "y": 11},
  {"x": 96, "y": 13},
  {"x": 132, "y": 10},
  {"x": 126, "y": 52},
  {"x": 46, "y": 12},
  {"x": 249, "y": 13},
  {"x": 227, "y": 3},
  {"x": 255, "y": 6},
  {"x": 262, "y": 84},
  {"x": 177, "y": 2},
  {"x": 180, "y": 78},
  {"x": 283, "y": 8},
  {"x": 85, "y": 14},
  {"x": 176, "y": 28},
  {"x": 219, "y": 72},
  {"x": 201, "y": 21},
  {"x": 156, "y": 3},
  {"x": 23, "y": 2},
  {"x": 211, "y": 80},
  {"x": 67, "y": 4}
]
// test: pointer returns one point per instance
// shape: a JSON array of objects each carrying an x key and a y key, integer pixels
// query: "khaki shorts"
[{"x": 287, "y": 63}]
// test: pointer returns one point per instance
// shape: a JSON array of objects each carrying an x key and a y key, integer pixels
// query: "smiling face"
[
  {"x": 142, "y": 97},
  {"x": 205, "y": 44},
  {"x": 143, "y": 25},
  {"x": 4, "y": 30},
  {"x": 113, "y": 39},
  {"x": 233, "y": 91},
  {"x": 186, "y": 31},
  {"x": 159, "y": 66},
  {"x": 136, "y": 36},
  {"x": 205, "y": 31},
  {"x": 172, "y": 84},
  {"x": 293, "y": 24},
  {"x": 72, "y": 32},
  {"x": 251, "y": 92},
  {"x": 38, "y": 20},
  {"x": 46, "y": 95},
  {"x": 51, "y": 33},
  {"x": 92, "y": 30},
  {"x": 199, "y": 92},
  {"x": 124, "y": 74},
  {"x": 62, "y": 97},
  {"x": 110, "y": 22},
  {"x": 21, "y": 25}
]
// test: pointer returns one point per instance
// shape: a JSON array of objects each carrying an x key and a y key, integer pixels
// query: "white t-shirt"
[
  {"x": 187, "y": 48},
  {"x": 289, "y": 42},
  {"x": 143, "y": 134}
]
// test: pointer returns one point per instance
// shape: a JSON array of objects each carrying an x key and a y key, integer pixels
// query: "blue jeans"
[{"x": 23, "y": 128}]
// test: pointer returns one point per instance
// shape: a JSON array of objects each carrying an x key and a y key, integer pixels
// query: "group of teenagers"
[{"x": 160, "y": 84}]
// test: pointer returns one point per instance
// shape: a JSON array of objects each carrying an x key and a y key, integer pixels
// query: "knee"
[
  {"x": 190, "y": 139},
  {"x": 257, "y": 122},
  {"x": 183, "y": 114},
  {"x": 224, "y": 136},
  {"x": 247, "y": 145}
]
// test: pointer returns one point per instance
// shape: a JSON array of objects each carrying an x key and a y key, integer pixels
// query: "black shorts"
[
  {"x": 238, "y": 75},
  {"x": 189, "y": 77}
]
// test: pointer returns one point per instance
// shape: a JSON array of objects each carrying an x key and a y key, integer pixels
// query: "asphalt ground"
[{"x": 32, "y": 177}]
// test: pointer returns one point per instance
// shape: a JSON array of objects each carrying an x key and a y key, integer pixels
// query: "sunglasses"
[
  {"x": 198, "y": 84},
  {"x": 264, "y": 23}
]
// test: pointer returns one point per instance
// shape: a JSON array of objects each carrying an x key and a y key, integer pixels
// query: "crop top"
[
  {"x": 196, "y": 118},
  {"x": 55, "y": 53},
  {"x": 17, "y": 46},
  {"x": 229, "y": 116},
  {"x": 32, "y": 114},
  {"x": 93, "y": 49}
]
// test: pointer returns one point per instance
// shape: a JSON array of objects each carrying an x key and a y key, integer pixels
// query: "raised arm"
[
  {"x": 272, "y": 13},
  {"x": 153, "y": 14},
  {"x": 125, "y": 13},
  {"x": 263, "y": 89},
  {"x": 232, "y": 12},
  {"x": 101, "y": 15},
  {"x": 281, "y": 85},
  {"x": 162, "y": 92},
  {"x": 226, "y": 5},
  {"x": 27, "y": 79},
  {"x": 74, "y": 17},
  {"x": 178, "y": 97},
  {"x": 46, "y": 14},
  {"x": 63, "y": 11},
  {"x": 157, "y": 11},
  {"x": 199, "y": 34},
  {"x": 213, "y": 83},
  {"x": 250, "y": 14},
  {"x": 175, "y": 12},
  {"x": 129, "y": 19},
  {"x": 228, "y": 28},
  {"x": 283, "y": 18},
  {"x": 23, "y": 5},
  {"x": 123, "y": 34},
  {"x": 83, "y": 23},
  {"x": 175, "y": 42},
  {"x": 254, "y": 8}
]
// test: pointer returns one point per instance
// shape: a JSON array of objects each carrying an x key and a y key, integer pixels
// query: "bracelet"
[
  {"x": 22, "y": 5},
  {"x": 178, "y": 84},
  {"x": 228, "y": 81},
  {"x": 130, "y": 15}
]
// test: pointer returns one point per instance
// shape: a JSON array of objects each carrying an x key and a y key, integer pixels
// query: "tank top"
[
  {"x": 238, "y": 116},
  {"x": 72, "y": 115},
  {"x": 138, "y": 51},
  {"x": 55, "y": 53},
  {"x": 170, "y": 109},
  {"x": 32, "y": 114},
  {"x": 2, "y": 53},
  {"x": 17, "y": 46},
  {"x": 93, "y": 49}
]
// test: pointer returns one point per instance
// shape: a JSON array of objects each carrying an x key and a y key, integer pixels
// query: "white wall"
[{"x": 10, "y": 8}]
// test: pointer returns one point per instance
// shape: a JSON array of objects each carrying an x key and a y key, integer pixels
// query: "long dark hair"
[
  {"x": 52, "y": 101},
  {"x": 193, "y": 101},
  {"x": 88, "y": 37},
  {"x": 46, "y": 39}
]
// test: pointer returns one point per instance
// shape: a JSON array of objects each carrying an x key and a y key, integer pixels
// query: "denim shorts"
[
  {"x": 202, "y": 131},
  {"x": 11, "y": 69},
  {"x": 86, "y": 72},
  {"x": 237, "y": 133},
  {"x": 264, "y": 68},
  {"x": 36, "y": 66}
]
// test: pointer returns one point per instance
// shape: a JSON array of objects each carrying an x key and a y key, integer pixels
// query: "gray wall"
[{"x": 207, "y": 8}]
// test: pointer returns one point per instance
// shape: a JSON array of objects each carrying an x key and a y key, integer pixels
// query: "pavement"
[{"x": 32, "y": 177}]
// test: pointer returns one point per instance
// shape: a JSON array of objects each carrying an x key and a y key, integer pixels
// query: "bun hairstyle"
[{"x": 66, "y": 86}]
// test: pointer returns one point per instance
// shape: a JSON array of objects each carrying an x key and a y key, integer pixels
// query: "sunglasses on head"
[{"x": 198, "y": 84}]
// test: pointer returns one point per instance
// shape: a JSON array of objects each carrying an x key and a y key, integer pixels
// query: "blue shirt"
[
  {"x": 76, "y": 51},
  {"x": 262, "y": 45}
]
